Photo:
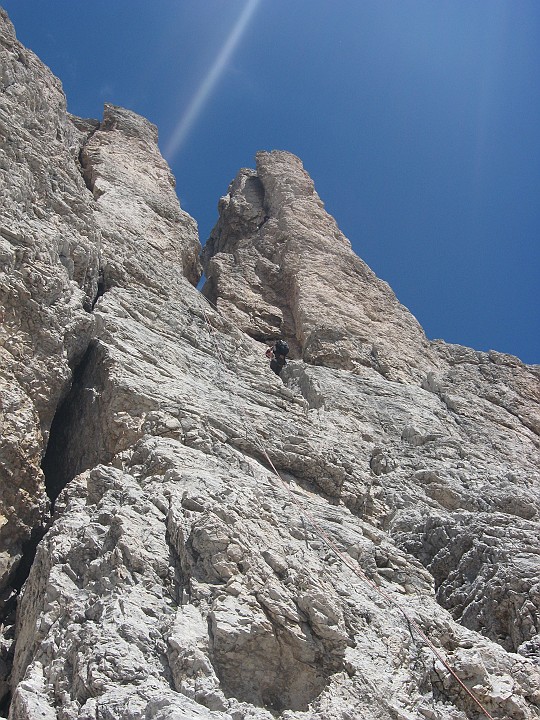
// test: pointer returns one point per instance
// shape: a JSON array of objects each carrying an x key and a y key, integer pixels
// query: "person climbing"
[{"x": 278, "y": 354}]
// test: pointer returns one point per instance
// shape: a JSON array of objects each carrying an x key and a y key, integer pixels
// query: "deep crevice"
[
  {"x": 28, "y": 555},
  {"x": 58, "y": 468},
  {"x": 5, "y": 701},
  {"x": 64, "y": 458},
  {"x": 85, "y": 171},
  {"x": 8, "y": 609},
  {"x": 68, "y": 453},
  {"x": 90, "y": 127}
]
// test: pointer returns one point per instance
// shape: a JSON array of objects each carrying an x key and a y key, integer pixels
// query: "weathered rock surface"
[
  {"x": 472, "y": 445},
  {"x": 178, "y": 577},
  {"x": 134, "y": 187},
  {"x": 52, "y": 264},
  {"x": 48, "y": 278},
  {"x": 277, "y": 264}
]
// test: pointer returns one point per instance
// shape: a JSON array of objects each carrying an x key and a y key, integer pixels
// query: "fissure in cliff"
[
  {"x": 68, "y": 452},
  {"x": 73, "y": 443}
]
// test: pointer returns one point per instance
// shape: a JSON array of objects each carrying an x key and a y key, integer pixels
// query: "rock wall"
[
  {"x": 462, "y": 429},
  {"x": 277, "y": 264},
  {"x": 49, "y": 246},
  {"x": 179, "y": 577},
  {"x": 54, "y": 264}
]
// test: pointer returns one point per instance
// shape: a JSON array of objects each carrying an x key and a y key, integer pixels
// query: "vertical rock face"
[
  {"x": 277, "y": 264},
  {"x": 179, "y": 577},
  {"x": 53, "y": 261},
  {"x": 49, "y": 246},
  {"x": 134, "y": 188}
]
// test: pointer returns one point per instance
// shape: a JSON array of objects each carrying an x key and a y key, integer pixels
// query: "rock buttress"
[
  {"x": 277, "y": 264},
  {"x": 53, "y": 268},
  {"x": 49, "y": 244},
  {"x": 145, "y": 232}
]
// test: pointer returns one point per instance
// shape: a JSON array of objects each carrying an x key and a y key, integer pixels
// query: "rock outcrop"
[
  {"x": 54, "y": 263},
  {"x": 472, "y": 445},
  {"x": 278, "y": 265},
  {"x": 179, "y": 577},
  {"x": 49, "y": 246}
]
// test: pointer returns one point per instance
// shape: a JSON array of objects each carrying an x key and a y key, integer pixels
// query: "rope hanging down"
[{"x": 306, "y": 515}]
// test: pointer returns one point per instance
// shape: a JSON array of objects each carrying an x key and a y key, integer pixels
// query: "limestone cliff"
[
  {"x": 178, "y": 577},
  {"x": 49, "y": 246},
  {"x": 277, "y": 264}
]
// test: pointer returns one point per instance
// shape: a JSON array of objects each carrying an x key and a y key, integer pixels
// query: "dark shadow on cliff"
[{"x": 74, "y": 445}]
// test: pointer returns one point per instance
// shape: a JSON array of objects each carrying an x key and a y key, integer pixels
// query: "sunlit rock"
[{"x": 179, "y": 577}]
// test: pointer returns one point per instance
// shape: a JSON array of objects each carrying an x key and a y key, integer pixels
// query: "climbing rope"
[
  {"x": 362, "y": 576},
  {"x": 346, "y": 560}
]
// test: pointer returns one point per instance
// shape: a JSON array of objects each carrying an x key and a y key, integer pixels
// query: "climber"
[{"x": 278, "y": 354}]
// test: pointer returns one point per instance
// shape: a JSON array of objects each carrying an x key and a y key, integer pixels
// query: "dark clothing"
[
  {"x": 277, "y": 363},
  {"x": 278, "y": 354}
]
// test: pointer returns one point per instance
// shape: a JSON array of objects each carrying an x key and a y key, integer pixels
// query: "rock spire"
[{"x": 277, "y": 264}]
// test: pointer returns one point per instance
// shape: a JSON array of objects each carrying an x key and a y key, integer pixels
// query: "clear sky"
[{"x": 419, "y": 121}]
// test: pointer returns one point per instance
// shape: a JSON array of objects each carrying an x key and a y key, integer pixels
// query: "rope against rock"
[{"x": 354, "y": 567}]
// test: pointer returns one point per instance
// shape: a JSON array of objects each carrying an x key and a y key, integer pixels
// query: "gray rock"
[
  {"x": 277, "y": 264},
  {"x": 179, "y": 577},
  {"x": 134, "y": 189},
  {"x": 49, "y": 247}
]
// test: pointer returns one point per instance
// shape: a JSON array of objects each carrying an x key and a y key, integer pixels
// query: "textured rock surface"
[
  {"x": 48, "y": 277},
  {"x": 134, "y": 188},
  {"x": 178, "y": 577},
  {"x": 52, "y": 265},
  {"x": 472, "y": 445},
  {"x": 278, "y": 264}
]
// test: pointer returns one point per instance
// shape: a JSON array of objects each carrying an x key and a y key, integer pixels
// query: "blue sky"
[{"x": 419, "y": 121}]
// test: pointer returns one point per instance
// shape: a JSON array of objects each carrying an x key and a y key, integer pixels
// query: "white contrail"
[{"x": 203, "y": 93}]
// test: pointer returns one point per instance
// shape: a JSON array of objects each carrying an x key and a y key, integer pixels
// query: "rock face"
[
  {"x": 49, "y": 247},
  {"x": 54, "y": 263},
  {"x": 179, "y": 577},
  {"x": 134, "y": 188},
  {"x": 462, "y": 429},
  {"x": 276, "y": 263}
]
